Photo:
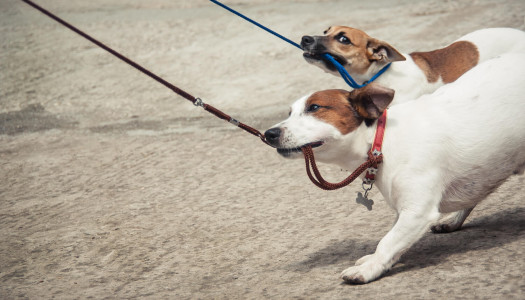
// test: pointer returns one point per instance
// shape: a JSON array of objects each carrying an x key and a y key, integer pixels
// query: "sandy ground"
[{"x": 111, "y": 186}]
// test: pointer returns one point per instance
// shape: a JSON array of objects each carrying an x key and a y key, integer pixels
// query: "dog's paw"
[
  {"x": 444, "y": 228},
  {"x": 363, "y": 273},
  {"x": 451, "y": 222},
  {"x": 447, "y": 225},
  {"x": 363, "y": 259}
]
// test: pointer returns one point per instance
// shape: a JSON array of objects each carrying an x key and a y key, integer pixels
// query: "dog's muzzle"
[
  {"x": 314, "y": 51},
  {"x": 310, "y": 44},
  {"x": 307, "y": 41},
  {"x": 273, "y": 137}
]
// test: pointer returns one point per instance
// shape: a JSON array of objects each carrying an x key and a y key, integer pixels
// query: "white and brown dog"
[
  {"x": 409, "y": 75},
  {"x": 443, "y": 153}
]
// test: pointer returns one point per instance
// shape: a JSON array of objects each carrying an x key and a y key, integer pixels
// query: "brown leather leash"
[
  {"x": 318, "y": 180},
  {"x": 195, "y": 100}
]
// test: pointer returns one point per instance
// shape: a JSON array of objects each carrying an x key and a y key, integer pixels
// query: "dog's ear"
[
  {"x": 382, "y": 51},
  {"x": 371, "y": 101}
]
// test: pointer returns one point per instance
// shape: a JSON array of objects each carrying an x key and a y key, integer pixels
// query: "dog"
[
  {"x": 443, "y": 153},
  {"x": 409, "y": 75}
]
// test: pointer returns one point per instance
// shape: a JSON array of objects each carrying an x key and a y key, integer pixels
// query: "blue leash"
[{"x": 347, "y": 78}]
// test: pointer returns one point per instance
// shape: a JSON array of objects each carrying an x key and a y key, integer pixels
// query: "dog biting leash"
[
  {"x": 374, "y": 156},
  {"x": 374, "y": 159},
  {"x": 344, "y": 74},
  {"x": 348, "y": 79}
]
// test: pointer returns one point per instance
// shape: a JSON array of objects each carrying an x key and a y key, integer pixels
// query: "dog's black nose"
[
  {"x": 272, "y": 135},
  {"x": 307, "y": 41}
]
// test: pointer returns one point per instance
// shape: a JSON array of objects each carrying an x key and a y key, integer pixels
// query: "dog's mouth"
[
  {"x": 289, "y": 151},
  {"x": 309, "y": 56}
]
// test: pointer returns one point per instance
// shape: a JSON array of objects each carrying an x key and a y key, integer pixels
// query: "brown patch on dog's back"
[
  {"x": 335, "y": 109},
  {"x": 448, "y": 63}
]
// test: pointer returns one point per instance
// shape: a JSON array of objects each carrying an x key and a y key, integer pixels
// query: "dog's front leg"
[{"x": 410, "y": 226}]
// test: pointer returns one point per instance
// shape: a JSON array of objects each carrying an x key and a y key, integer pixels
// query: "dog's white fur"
[
  {"x": 410, "y": 81},
  {"x": 443, "y": 153}
]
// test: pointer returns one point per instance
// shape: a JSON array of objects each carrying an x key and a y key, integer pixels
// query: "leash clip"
[
  {"x": 367, "y": 189},
  {"x": 198, "y": 102},
  {"x": 234, "y": 122}
]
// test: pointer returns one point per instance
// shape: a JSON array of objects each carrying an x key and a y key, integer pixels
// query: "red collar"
[{"x": 375, "y": 151}]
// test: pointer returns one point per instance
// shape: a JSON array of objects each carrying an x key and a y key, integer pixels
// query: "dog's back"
[
  {"x": 447, "y": 64},
  {"x": 492, "y": 42},
  {"x": 470, "y": 134}
]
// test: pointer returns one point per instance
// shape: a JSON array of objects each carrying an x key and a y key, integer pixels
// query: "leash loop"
[
  {"x": 320, "y": 182},
  {"x": 375, "y": 157}
]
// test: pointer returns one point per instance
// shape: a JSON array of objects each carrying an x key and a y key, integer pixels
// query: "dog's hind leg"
[{"x": 452, "y": 221}]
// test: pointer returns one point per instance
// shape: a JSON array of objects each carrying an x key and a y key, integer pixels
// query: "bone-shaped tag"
[{"x": 364, "y": 200}]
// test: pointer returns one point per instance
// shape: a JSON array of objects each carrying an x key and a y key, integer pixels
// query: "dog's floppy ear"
[
  {"x": 382, "y": 51},
  {"x": 371, "y": 101}
]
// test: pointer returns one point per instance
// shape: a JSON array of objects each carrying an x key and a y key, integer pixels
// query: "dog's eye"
[
  {"x": 313, "y": 108},
  {"x": 344, "y": 40}
]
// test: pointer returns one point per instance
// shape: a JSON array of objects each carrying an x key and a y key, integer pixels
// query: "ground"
[{"x": 111, "y": 186}]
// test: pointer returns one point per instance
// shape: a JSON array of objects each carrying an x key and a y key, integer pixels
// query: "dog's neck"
[{"x": 405, "y": 77}]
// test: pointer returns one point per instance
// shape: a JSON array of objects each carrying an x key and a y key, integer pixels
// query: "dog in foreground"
[
  {"x": 410, "y": 75},
  {"x": 443, "y": 153}
]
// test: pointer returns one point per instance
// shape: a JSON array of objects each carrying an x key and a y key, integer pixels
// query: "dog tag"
[{"x": 363, "y": 199}]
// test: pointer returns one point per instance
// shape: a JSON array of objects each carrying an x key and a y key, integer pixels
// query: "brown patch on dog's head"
[
  {"x": 347, "y": 110},
  {"x": 448, "y": 63},
  {"x": 332, "y": 107},
  {"x": 351, "y": 47}
]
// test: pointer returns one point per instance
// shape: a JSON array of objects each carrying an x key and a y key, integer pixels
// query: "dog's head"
[
  {"x": 352, "y": 48},
  {"x": 327, "y": 117}
]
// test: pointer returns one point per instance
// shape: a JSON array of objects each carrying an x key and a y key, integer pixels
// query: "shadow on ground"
[
  {"x": 32, "y": 118},
  {"x": 479, "y": 234}
]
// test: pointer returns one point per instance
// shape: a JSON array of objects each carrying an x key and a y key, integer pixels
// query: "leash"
[
  {"x": 372, "y": 161},
  {"x": 375, "y": 157},
  {"x": 344, "y": 74},
  {"x": 195, "y": 100},
  {"x": 348, "y": 79},
  {"x": 320, "y": 182},
  {"x": 257, "y": 24}
]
